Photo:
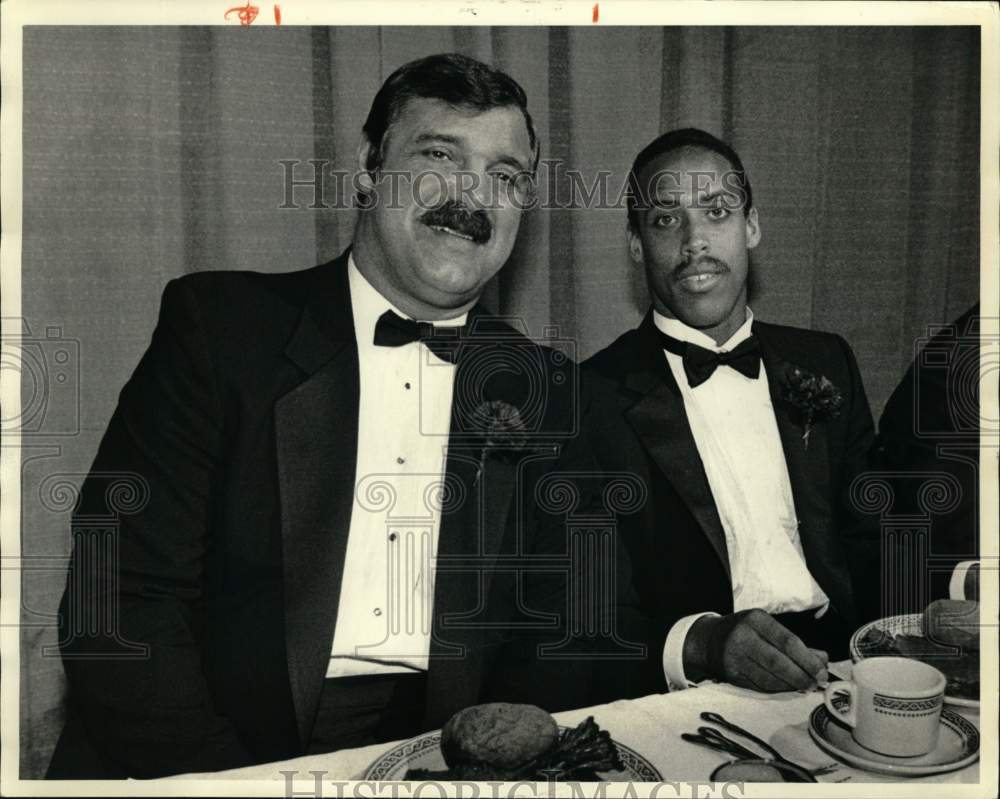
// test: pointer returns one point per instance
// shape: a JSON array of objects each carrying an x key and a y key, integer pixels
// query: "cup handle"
[{"x": 850, "y": 718}]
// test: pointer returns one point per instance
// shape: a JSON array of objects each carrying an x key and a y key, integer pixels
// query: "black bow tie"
[
  {"x": 700, "y": 363},
  {"x": 392, "y": 330}
]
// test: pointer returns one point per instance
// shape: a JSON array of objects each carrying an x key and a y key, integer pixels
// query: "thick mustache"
[
  {"x": 705, "y": 264},
  {"x": 474, "y": 224}
]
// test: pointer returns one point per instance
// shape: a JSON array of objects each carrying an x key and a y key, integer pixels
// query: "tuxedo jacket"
[
  {"x": 674, "y": 560},
  {"x": 210, "y": 535},
  {"x": 929, "y": 430}
]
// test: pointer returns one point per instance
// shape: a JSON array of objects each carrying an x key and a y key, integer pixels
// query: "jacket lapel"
[
  {"x": 661, "y": 423},
  {"x": 481, "y": 485},
  {"x": 809, "y": 475},
  {"x": 316, "y": 441}
]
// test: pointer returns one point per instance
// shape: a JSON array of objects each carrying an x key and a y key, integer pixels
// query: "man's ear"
[
  {"x": 634, "y": 246},
  {"x": 366, "y": 181},
  {"x": 753, "y": 229}
]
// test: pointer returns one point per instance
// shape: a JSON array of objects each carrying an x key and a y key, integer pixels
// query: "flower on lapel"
[
  {"x": 502, "y": 428},
  {"x": 815, "y": 396}
]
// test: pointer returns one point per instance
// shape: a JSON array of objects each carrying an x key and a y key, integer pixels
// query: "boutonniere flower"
[
  {"x": 815, "y": 396},
  {"x": 503, "y": 430}
]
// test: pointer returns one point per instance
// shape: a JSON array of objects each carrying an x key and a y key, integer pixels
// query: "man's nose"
[
  {"x": 474, "y": 187},
  {"x": 695, "y": 241}
]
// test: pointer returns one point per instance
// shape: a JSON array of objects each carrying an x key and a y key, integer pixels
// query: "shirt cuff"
[
  {"x": 673, "y": 652},
  {"x": 956, "y": 586}
]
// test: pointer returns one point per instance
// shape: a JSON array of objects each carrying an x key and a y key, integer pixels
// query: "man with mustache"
[
  {"x": 746, "y": 562},
  {"x": 326, "y": 466}
]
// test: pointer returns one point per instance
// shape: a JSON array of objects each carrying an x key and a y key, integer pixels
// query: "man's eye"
[
  {"x": 437, "y": 155},
  {"x": 719, "y": 212},
  {"x": 666, "y": 221},
  {"x": 518, "y": 182}
]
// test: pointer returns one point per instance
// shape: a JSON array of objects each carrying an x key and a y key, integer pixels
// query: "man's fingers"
[
  {"x": 805, "y": 658},
  {"x": 761, "y": 653},
  {"x": 791, "y": 646},
  {"x": 766, "y": 666},
  {"x": 823, "y": 677},
  {"x": 750, "y": 675},
  {"x": 779, "y": 671}
]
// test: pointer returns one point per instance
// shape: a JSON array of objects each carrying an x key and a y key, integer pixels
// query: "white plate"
[
  {"x": 907, "y": 624},
  {"x": 958, "y": 746},
  {"x": 424, "y": 751}
]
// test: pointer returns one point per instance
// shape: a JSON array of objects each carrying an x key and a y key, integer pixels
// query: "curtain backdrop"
[{"x": 151, "y": 152}]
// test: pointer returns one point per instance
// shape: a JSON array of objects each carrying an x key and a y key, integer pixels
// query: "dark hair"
[
  {"x": 456, "y": 79},
  {"x": 678, "y": 140}
]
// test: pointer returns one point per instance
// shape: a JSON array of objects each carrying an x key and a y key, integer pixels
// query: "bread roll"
[
  {"x": 953, "y": 622},
  {"x": 498, "y": 734}
]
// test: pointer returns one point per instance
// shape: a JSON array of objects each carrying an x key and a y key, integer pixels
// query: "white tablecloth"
[{"x": 652, "y": 726}]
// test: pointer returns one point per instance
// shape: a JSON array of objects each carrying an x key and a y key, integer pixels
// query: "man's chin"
[
  {"x": 457, "y": 276},
  {"x": 451, "y": 288},
  {"x": 705, "y": 315},
  {"x": 720, "y": 330}
]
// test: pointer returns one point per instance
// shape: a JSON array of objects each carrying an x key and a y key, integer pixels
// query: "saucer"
[{"x": 958, "y": 746}]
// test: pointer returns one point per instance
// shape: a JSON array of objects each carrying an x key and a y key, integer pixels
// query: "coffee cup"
[{"x": 894, "y": 705}]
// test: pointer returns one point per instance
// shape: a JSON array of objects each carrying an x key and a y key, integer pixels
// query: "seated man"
[
  {"x": 746, "y": 559},
  {"x": 323, "y": 468},
  {"x": 930, "y": 430}
]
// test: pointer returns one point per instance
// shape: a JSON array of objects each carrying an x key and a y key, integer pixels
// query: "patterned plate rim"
[
  {"x": 639, "y": 766},
  {"x": 905, "y": 621},
  {"x": 821, "y": 717}
]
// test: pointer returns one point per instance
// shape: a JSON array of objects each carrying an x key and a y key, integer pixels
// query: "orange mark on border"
[
  {"x": 597, "y": 11},
  {"x": 277, "y": 15},
  {"x": 246, "y": 14}
]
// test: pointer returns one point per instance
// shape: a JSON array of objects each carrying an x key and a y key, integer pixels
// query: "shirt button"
[
  {"x": 400, "y": 461},
  {"x": 392, "y": 536},
  {"x": 406, "y": 386},
  {"x": 377, "y": 611}
]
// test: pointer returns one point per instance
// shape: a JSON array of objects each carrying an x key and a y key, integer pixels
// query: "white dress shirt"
[
  {"x": 734, "y": 428},
  {"x": 404, "y": 417}
]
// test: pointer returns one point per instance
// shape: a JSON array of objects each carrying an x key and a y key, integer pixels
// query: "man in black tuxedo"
[
  {"x": 320, "y": 470},
  {"x": 746, "y": 561},
  {"x": 930, "y": 431}
]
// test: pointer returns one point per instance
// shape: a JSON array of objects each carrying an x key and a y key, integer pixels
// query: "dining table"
[{"x": 652, "y": 726}]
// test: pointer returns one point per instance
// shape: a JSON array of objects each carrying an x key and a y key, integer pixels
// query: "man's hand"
[{"x": 752, "y": 650}]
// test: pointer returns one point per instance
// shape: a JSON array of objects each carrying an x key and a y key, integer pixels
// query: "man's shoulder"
[
  {"x": 817, "y": 351},
  {"x": 231, "y": 290},
  {"x": 617, "y": 359},
  {"x": 799, "y": 340},
  {"x": 245, "y": 317},
  {"x": 507, "y": 339},
  {"x": 500, "y": 361}
]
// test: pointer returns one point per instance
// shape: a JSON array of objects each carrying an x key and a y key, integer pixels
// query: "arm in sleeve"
[
  {"x": 601, "y": 645},
  {"x": 673, "y": 652},
  {"x": 861, "y": 532},
  {"x": 130, "y": 617}
]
